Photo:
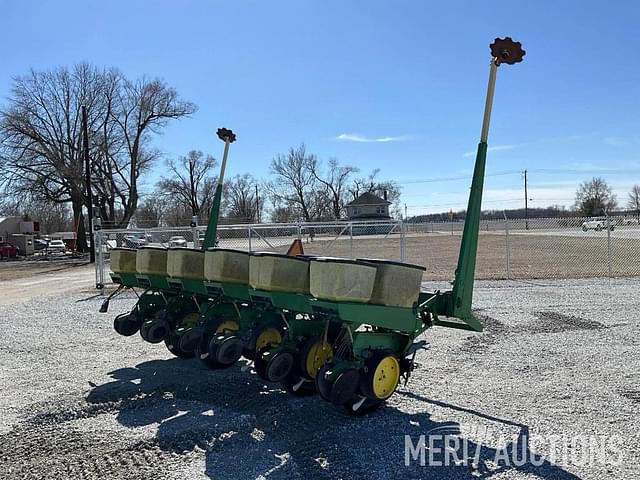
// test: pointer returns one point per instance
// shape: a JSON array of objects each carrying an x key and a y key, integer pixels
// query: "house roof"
[{"x": 369, "y": 199}]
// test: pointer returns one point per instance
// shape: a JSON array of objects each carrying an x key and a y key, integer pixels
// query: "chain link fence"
[
  {"x": 534, "y": 248},
  {"x": 507, "y": 248},
  {"x": 335, "y": 239}
]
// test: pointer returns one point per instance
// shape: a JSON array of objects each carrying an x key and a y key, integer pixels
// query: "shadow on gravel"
[{"x": 250, "y": 430}]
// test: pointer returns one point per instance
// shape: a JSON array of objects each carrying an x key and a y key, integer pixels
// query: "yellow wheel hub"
[
  {"x": 385, "y": 377},
  {"x": 190, "y": 319},
  {"x": 268, "y": 336},
  {"x": 227, "y": 325},
  {"x": 319, "y": 353}
]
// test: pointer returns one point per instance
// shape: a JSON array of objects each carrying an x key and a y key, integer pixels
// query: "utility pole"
[
  {"x": 405, "y": 212},
  {"x": 87, "y": 166},
  {"x": 257, "y": 206},
  {"x": 526, "y": 203}
]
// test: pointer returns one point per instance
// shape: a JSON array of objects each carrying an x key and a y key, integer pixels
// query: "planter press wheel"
[
  {"x": 202, "y": 349},
  {"x": 264, "y": 336},
  {"x": 127, "y": 324},
  {"x": 314, "y": 353},
  {"x": 225, "y": 350},
  {"x": 180, "y": 341},
  {"x": 156, "y": 328},
  {"x": 380, "y": 376},
  {"x": 279, "y": 366}
]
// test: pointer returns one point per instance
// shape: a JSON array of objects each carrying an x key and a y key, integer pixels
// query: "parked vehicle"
[
  {"x": 7, "y": 251},
  {"x": 56, "y": 246},
  {"x": 597, "y": 224},
  {"x": 40, "y": 244},
  {"x": 135, "y": 240},
  {"x": 177, "y": 241}
]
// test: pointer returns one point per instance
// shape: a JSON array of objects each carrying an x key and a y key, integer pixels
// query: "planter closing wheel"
[
  {"x": 297, "y": 385},
  {"x": 381, "y": 376},
  {"x": 323, "y": 385}
]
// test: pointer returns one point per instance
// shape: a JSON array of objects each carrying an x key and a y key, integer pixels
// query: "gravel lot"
[{"x": 557, "y": 358}]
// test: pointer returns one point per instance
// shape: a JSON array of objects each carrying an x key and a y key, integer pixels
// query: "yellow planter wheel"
[
  {"x": 382, "y": 375},
  {"x": 227, "y": 325},
  {"x": 268, "y": 336},
  {"x": 314, "y": 353},
  {"x": 190, "y": 319}
]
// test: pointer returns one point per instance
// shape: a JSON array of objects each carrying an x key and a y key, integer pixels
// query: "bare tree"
[
  {"x": 149, "y": 213},
  {"x": 52, "y": 217},
  {"x": 283, "y": 213},
  {"x": 634, "y": 199},
  {"x": 335, "y": 180},
  {"x": 192, "y": 184},
  {"x": 240, "y": 198},
  {"x": 135, "y": 111},
  {"x": 594, "y": 197},
  {"x": 40, "y": 137},
  {"x": 294, "y": 180}
]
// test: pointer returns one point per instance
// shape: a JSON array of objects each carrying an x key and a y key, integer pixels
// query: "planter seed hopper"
[{"x": 343, "y": 328}]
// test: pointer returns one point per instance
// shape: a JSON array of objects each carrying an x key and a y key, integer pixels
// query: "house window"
[
  {"x": 380, "y": 210},
  {"x": 356, "y": 211}
]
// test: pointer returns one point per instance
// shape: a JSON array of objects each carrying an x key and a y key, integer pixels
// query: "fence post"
[
  {"x": 351, "y": 238},
  {"x": 97, "y": 245},
  {"x": 609, "y": 244},
  {"x": 194, "y": 232},
  {"x": 402, "y": 241},
  {"x": 508, "y": 246},
  {"x": 249, "y": 236}
]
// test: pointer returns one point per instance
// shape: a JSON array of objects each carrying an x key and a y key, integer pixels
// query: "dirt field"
[
  {"x": 531, "y": 256},
  {"x": 33, "y": 266}
]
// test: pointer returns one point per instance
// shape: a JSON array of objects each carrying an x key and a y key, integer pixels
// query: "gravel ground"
[{"x": 558, "y": 360}]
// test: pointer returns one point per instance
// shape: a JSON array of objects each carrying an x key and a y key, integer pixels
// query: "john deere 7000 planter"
[{"x": 344, "y": 328}]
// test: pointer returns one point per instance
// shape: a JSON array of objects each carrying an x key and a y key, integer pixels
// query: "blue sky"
[{"x": 378, "y": 84}]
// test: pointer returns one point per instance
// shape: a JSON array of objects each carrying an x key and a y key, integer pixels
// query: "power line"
[
  {"x": 462, "y": 177},
  {"x": 560, "y": 171}
]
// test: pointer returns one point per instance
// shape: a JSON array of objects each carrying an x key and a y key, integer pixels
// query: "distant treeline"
[{"x": 548, "y": 212}]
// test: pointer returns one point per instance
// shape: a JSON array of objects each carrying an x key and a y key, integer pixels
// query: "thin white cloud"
[
  {"x": 495, "y": 148},
  {"x": 615, "y": 141},
  {"x": 354, "y": 137}
]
